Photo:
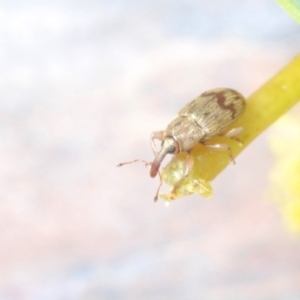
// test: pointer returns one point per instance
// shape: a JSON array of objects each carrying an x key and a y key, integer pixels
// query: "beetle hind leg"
[
  {"x": 222, "y": 147},
  {"x": 232, "y": 133}
]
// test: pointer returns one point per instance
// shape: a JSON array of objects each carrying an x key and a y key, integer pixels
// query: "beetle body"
[
  {"x": 200, "y": 120},
  {"x": 214, "y": 111},
  {"x": 203, "y": 118}
]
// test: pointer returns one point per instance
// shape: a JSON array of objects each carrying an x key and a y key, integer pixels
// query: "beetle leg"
[
  {"x": 156, "y": 135},
  {"x": 222, "y": 147},
  {"x": 232, "y": 133},
  {"x": 159, "y": 186},
  {"x": 187, "y": 168}
]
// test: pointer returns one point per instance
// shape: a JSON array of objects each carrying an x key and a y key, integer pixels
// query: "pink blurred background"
[{"x": 82, "y": 86}]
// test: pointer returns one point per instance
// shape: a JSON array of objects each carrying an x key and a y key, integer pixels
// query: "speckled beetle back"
[{"x": 214, "y": 110}]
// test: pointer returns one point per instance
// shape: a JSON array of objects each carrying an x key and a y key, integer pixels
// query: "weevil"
[{"x": 199, "y": 121}]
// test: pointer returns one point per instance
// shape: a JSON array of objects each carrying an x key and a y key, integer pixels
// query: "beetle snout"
[
  {"x": 169, "y": 146},
  {"x": 154, "y": 169},
  {"x": 157, "y": 161}
]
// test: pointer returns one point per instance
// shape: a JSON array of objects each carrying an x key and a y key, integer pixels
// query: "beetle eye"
[{"x": 171, "y": 149}]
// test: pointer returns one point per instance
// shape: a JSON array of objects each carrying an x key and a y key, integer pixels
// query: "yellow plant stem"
[
  {"x": 264, "y": 107},
  {"x": 292, "y": 7}
]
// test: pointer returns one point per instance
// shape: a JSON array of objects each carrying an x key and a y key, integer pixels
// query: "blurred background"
[{"x": 83, "y": 83}]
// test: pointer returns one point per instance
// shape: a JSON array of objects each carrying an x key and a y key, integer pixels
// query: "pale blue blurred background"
[{"x": 82, "y": 85}]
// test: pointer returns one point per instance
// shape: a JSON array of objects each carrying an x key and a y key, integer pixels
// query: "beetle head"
[{"x": 168, "y": 146}]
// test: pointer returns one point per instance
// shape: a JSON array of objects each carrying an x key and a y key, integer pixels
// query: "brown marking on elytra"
[{"x": 221, "y": 101}]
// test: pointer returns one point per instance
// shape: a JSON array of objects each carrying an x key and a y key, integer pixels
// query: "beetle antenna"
[{"x": 147, "y": 163}]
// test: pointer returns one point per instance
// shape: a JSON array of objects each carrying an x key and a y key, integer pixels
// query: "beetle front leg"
[
  {"x": 159, "y": 186},
  {"x": 187, "y": 168},
  {"x": 156, "y": 135},
  {"x": 222, "y": 147}
]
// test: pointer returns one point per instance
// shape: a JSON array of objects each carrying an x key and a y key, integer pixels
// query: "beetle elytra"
[{"x": 199, "y": 121}]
